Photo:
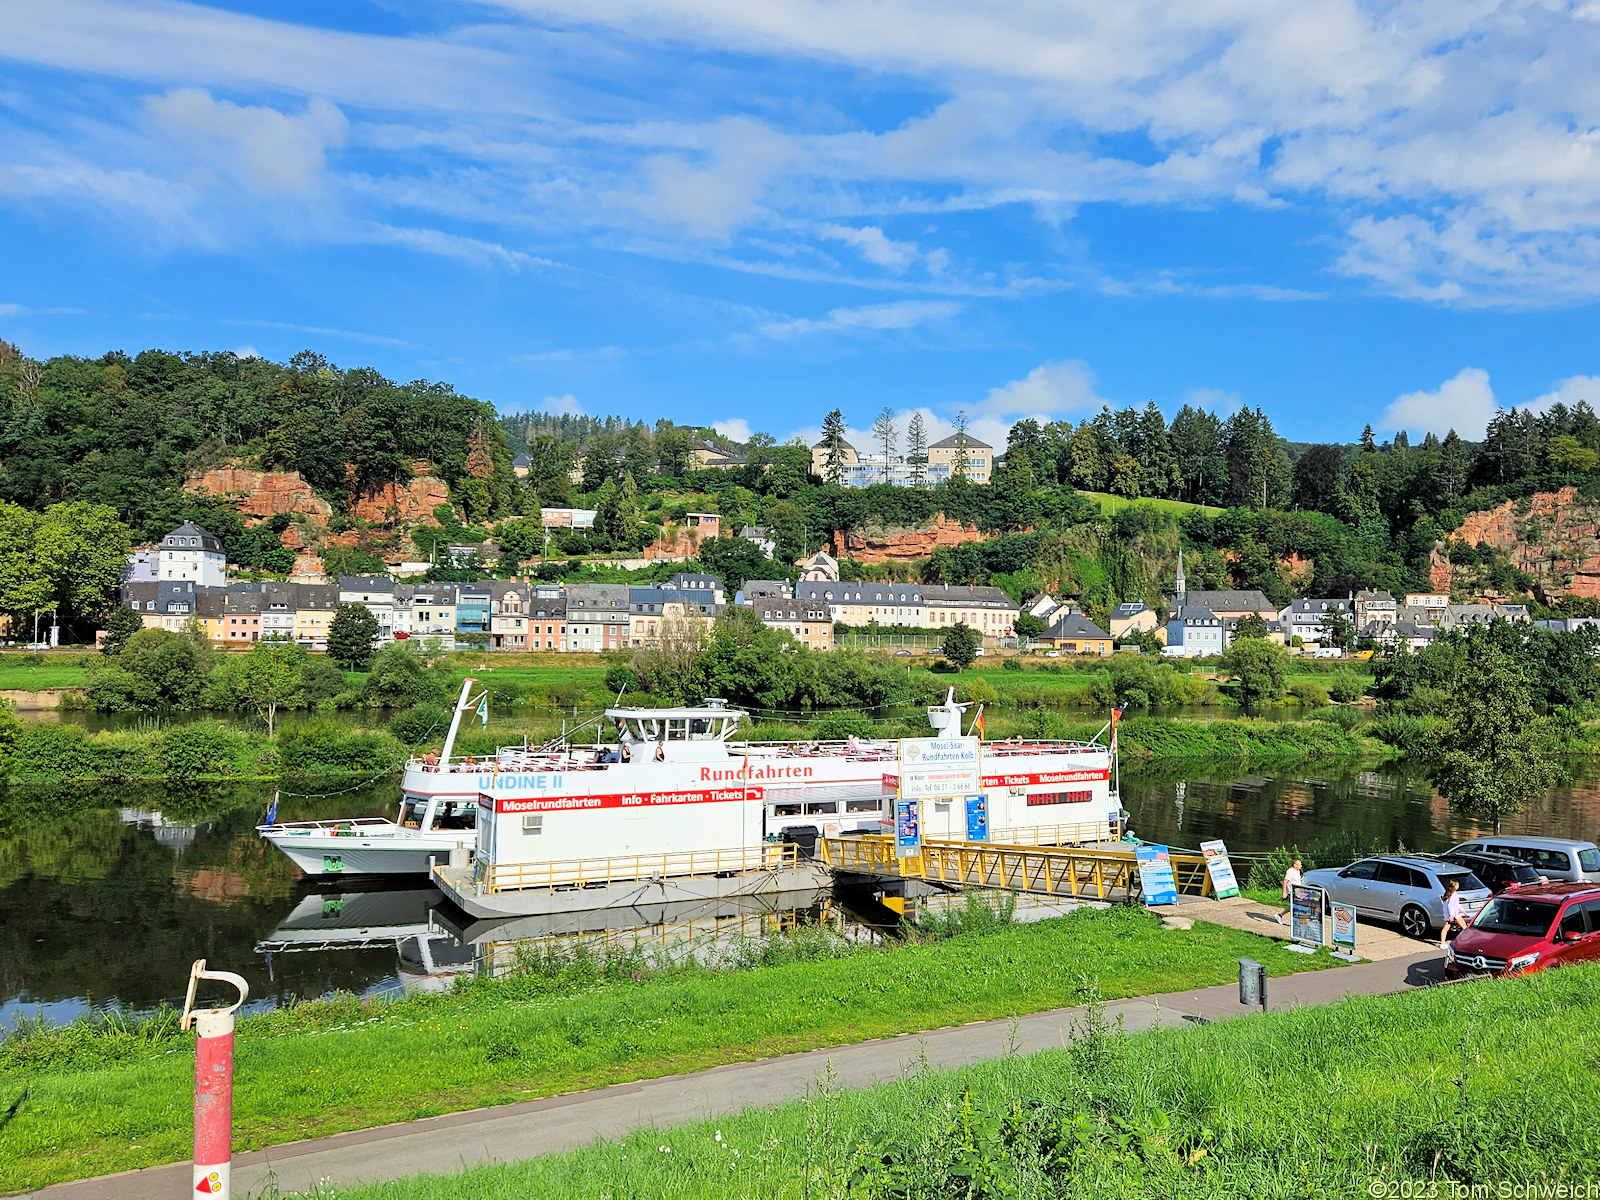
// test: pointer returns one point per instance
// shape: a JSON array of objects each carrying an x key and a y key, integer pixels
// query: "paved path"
[
  {"x": 517, "y": 1131},
  {"x": 1373, "y": 941}
]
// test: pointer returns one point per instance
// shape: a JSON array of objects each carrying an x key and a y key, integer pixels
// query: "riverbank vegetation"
[
  {"x": 1429, "y": 1092},
  {"x": 95, "y": 1101}
]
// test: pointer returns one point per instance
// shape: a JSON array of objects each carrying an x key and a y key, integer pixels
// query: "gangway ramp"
[{"x": 1081, "y": 872}]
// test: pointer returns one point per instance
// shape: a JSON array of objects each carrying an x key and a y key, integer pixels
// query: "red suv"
[{"x": 1529, "y": 929}]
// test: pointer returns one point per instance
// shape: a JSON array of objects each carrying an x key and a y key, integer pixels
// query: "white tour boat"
[
  {"x": 433, "y": 823},
  {"x": 678, "y": 810}
]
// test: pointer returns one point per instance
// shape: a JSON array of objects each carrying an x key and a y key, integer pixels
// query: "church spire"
[{"x": 1182, "y": 587}]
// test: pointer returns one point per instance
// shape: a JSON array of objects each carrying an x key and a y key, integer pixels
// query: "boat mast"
[{"x": 455, "y": 719}]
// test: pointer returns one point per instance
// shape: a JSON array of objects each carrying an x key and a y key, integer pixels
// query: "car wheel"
[{"x": 1414, "y": 922}]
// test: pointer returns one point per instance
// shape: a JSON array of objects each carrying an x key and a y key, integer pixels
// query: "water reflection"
[{"x": 108, "y": 894}]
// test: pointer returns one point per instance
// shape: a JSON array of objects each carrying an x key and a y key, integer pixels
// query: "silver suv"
[
  {"x": 1397, "y": 888},
  {"x": 1560, "y": 860}
]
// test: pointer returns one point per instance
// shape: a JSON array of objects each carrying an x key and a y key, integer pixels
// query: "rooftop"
[{"x": 960, "y": 439}]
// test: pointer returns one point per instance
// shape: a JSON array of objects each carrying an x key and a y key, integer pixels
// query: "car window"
[
  {"x": 1394, "y": 873},
  {"x": 1592, "y": 909},
  {"x": 1589, "y": 859},
  {"x": 1361, "y": 870},
  {"x": 1507, "y": 914},
  {"x": 1524, "y": 874},
  {"x": 1572, "y": 922},
  {"x": 1465, "y": 880},
  {"x": 1513, "y": 851},
  {"x": 1551, "y": 860}
]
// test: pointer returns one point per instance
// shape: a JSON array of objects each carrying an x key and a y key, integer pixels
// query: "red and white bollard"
[{"x": 213, "y": 1084}]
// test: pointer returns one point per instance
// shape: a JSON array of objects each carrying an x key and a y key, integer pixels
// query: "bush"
[
  {"x": 321, "y": 679},
  {"x": 1346, "y": 687},
  {"x": 976, "y": 691},
  {"x": 1344, "y": 718},
  {"x": 400, "y": 677},
  {"x": 415, "y": 725},
  {"x": 1011, "y": 664},
  {"x": 1268, "y": 870},
  {"x": 621, "y": 678},
  {"x": 838, "y": 726},
  {"x": 321, "y": 747},
  {"x": 1406, "y": 733},
  {"x": 47, "y": 750},
  {"x": 1311, "y": 695},
  {"x": 201, "y": 749}
]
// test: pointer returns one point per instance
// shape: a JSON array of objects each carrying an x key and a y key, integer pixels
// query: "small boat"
[{"x": 433, "y": 824}]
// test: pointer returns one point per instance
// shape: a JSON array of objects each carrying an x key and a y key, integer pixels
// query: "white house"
[
  {"x": 1303, "y": 618},
  {"x": 190, "y": 553}
]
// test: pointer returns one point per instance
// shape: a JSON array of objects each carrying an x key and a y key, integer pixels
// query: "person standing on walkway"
[
  {"x": 1291, "y": 880},
  {"x": 1454, "y": 915}
]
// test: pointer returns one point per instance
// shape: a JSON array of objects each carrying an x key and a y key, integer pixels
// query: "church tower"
[{"x": 1181, "y": 588}]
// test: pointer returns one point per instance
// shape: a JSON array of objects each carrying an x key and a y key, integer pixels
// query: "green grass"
[
  {"x": 35, "y": 672},
  {"x": 1417, "y": 1091},
  {"x": 1108, "y": 503},
  {"x": 97, "y": 1104}
]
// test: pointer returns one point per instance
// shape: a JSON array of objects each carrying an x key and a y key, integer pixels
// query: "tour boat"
[
  {"x": 435, "y": 820},
  {"x": 679, "y": 810}
]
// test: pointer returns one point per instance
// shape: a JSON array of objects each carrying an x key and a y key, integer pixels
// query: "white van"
[{"x": 1560, "y": 860}]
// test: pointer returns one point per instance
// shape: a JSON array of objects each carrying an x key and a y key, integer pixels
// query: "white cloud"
[
  {"x": 877, "y": 248},
  {"x": 1050, "y": 388},
  {"x": 722, "y": 188},
  {"x": 270, "y": 150},
  {"x": 372, "y": 339},
  {"x": 1464, "y": 403},
  {"x": 246, "y": 352},
  {"x": 736, "y": 428},
  {"x": 561, "y": 406},
  {"x": 1213, "y": 399},
  {"x": 899, "y": 314},
  {"x": 1570, "y": 391}
]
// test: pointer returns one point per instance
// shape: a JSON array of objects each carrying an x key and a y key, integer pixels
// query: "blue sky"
[{"x": 747, "y": 214}]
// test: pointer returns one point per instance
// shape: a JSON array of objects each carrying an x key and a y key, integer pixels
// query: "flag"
[
  {"x": 483, "y": 709},
  {"x": 272, "y": 810},
  {"x": 1116, "y": 715},
  {"x": 979, "y": 721}
]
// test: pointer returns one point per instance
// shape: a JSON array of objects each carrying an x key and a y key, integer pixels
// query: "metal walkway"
[{"x": 1083, "y": 872}]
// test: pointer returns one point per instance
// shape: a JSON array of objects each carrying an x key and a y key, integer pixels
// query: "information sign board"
[
  {"x": 907, "y": 829},
  {"x": 1305, "y": 914},
  {"x": 1155, "y": 874},
  {"x": 1220, "y": 868},
  {"x": 977, "y": 818},
  {"x": 940, "y": 768}
]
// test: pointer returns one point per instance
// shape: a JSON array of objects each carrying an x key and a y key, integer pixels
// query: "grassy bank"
[
  {"x": 1248, "y": 742},
  {"x": 107, "y": 1100},
  {"x": 1414, "y": 1092}
]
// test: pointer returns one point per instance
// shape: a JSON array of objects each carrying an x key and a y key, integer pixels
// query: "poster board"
[
  {"x": 907, "y": 829},
  {"x": 1305, "y": 915},
  {"x": 1220, "y": 868},
  {"x": 1344, "y": 930},
  {"x": 1156, "y": 879},
  {"x": 977, "y": 818}
]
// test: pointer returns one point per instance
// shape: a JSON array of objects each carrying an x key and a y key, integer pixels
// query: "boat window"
[
  {"x": 700, "y": 728},
  {"x": 677, "y": 729},
  {"x": 828, "y": 807},
  {"x": 786, "y": 810},
  {"x": 861, "y": 806}
]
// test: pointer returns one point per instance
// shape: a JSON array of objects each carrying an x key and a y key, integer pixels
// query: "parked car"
[
  {"x": 980, "y": 652},
  {"x": 1531, "y": 929},
  {"x": 1327, "y": 652},
  {"x": 37, "y": 646},
  {"x": 1052, "y": 654},
  {"x": 1501, "y": 872},
  {"x": 1399, "y": 888},
  {"x": 1560, "y": 860},
  {"x": 902, "y": 654}
]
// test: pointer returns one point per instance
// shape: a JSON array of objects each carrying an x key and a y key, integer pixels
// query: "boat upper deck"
[{"x": 531, "y": 759}]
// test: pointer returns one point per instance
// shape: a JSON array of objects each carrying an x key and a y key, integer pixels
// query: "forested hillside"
[{"x": 123, "y": 433}]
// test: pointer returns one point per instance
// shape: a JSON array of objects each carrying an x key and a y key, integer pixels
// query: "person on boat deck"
[
  {"x": 661, "y": 752},
  {"x": 851, "y": 745},
  {"x": 627, "y": 750},
  {"x": 430, "y": 761}
]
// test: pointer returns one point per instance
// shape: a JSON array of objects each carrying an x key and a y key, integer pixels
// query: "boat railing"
[
  {"x": 597, "y": 872},
  {"x": 351, "y": 825}
]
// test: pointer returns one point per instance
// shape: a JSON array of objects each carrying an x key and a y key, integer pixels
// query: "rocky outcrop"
[
  {"x": 869, "y": 545},
  {"x": 260, "y": 494},
  {"x": 410, "y": 503},
  {"x": 1552, "y": 536}
]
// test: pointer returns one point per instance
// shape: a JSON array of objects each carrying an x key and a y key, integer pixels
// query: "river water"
[{"x": 107, "y": 895}]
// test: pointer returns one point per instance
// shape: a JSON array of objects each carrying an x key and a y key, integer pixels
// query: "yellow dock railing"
[
  {"x": 597, "y": 872},
  {"x": 1103, "y": 873}
]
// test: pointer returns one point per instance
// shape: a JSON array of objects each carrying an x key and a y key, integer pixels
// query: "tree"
[
  {"x": 121, "y": 625},
  {"x": 1251, "y": 625},
  {"x": 1258, "y": 667},
  {"x": 960, "y": 645},
  {"x": 1338, "y": 629},
  {"x": 1492, "y": 754},
  {"x": 351, "y": 635},
  {"x": 156, "y": 669},
  {"x": 1569, "y": 456},
  {"x": 269, "y": 677},
  {"x": 884, "y": 434},
  {"x": 833, "y": 447},
  {"x": 917, "y": 450},
  {"x": 1028, "y": 626},
  {"x": 400, "y": 677},
  {"x": 958, "y": 460},
  {"x": 1318, "y": 478}
]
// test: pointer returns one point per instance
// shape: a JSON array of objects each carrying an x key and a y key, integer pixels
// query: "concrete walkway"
[
  {"x": 1373, "y": 941},
  {"x": 512, "y": 1132}
]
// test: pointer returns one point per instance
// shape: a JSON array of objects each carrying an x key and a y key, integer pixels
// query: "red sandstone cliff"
[
  {"x": 902, "y": 545},
  {"x": 1552, "y": 536}
]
